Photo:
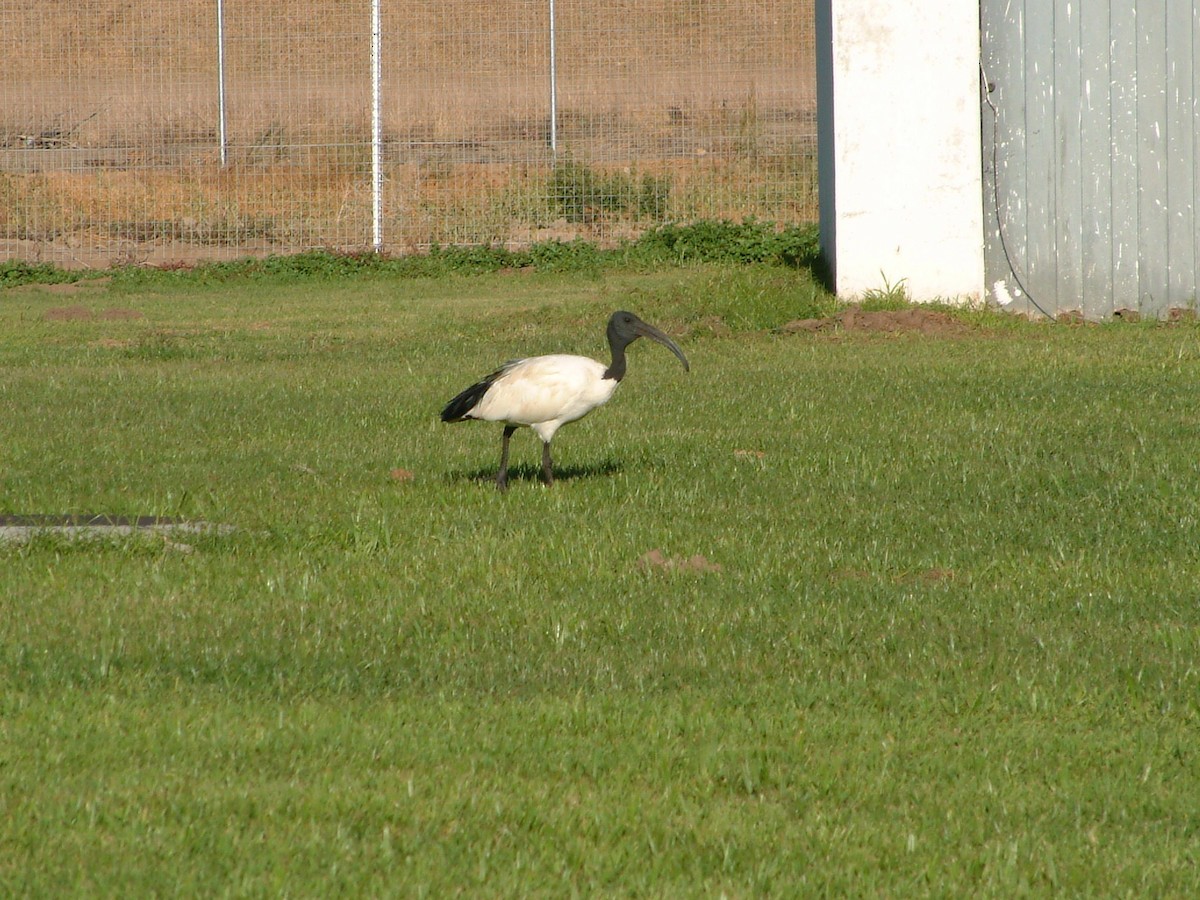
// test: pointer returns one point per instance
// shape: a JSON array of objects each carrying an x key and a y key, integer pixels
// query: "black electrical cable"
[{"x": 986, "y": 92}]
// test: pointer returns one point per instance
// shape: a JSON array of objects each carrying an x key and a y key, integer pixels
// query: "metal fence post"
[
  {"x": 221, "y": 78},
  {"x": 376, "y": 129},
  {"x": 553, "y": 87}
]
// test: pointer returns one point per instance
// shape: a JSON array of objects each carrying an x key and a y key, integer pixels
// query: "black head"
[{"x": 624, "y": 328}]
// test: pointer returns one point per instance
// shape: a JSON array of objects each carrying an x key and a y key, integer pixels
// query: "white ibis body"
[{"x": 546, "y": 392}]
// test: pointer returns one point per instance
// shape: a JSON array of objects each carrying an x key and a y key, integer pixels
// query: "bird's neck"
[{"x": 616, "y": 371}]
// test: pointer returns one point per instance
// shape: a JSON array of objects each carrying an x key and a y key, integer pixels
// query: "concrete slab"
[{"x": 22, "y": 529}]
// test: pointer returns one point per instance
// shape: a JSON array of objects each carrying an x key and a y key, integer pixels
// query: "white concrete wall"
[{"x": 901, "y": 170}]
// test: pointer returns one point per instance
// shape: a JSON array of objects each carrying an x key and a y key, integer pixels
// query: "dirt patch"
[
  {"x": 927, "y": 576},
  {"x": 117, "y": 314},
  {"x": 656, "y": 560},
  {"x": 67, "y": 314},
  {"x": 84, "y": 314},
  {"x": 66, "y": 289},
  {"x": 170, "y": 255},
  {"x": 916, "y": 320},
  {"x": 1071, "y": 317}
]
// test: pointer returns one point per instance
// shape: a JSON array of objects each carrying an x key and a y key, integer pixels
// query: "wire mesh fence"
[{"x": 203, "y": 129}]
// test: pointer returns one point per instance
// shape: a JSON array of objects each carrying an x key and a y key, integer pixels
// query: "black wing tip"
[
  {"x": 456, "y": 410},
  {"x": 459, "y": 409}
]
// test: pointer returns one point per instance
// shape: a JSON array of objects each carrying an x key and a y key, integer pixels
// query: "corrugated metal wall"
[{"x": 1091, "y": 137}]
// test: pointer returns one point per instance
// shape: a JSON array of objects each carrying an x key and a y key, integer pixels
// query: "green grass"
[{"x": 952, "y": 647}]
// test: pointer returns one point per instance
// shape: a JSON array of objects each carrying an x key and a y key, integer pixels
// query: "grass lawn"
[{"x": 946, "y": 639}]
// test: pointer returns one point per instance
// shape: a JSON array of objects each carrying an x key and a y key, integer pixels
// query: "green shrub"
[
  {"x": 747, "y": 242},
  {"x": 15, "y": 272},
  {"x": 750, "y": 242},
  {"x": 582, "y": 194}
]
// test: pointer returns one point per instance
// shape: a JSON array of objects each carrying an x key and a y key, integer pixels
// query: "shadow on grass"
[{"x": 518, "y": 472}]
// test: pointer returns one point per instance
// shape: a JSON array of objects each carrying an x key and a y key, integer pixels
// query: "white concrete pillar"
[{"x": 900, "y": 158}]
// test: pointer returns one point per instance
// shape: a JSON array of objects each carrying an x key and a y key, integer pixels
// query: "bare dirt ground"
[
  {"x": 172, "y": 254},
  {"x": 930, "y": 322},
  {"x": 85, "y": 314},
  {"x": 656, "y": 560}
]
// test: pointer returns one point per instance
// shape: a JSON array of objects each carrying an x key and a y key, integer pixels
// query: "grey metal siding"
[{"x": 1091, "y": 114}]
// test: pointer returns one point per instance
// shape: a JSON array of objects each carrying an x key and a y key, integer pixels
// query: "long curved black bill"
[{"x": 654, "y": 334}]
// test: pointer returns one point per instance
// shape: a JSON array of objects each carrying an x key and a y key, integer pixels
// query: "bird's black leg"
[
  {"x": 502, "y": 475},
  {"x": 547, "y": 471}
]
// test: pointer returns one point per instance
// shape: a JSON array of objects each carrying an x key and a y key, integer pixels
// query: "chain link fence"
[{"x": 169, "y": 133}]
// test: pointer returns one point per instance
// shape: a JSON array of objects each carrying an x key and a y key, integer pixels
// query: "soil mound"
[{"x": 914, "y": 320}]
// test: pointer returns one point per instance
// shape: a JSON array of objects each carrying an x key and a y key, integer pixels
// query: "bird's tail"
[{"x": 459, "y": 409}]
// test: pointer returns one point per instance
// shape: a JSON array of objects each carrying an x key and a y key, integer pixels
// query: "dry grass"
[
  {"x": 110, "y": 121},
  {"x": 274, "y": 209}
]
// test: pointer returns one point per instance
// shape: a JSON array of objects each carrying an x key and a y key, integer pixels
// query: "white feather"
[{"x": 545, "y": 392}]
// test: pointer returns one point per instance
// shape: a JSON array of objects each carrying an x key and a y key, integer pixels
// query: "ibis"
[{"x": 546, "y": 392}]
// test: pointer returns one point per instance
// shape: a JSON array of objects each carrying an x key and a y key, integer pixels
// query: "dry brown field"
[{"x": 666, "y": 110}]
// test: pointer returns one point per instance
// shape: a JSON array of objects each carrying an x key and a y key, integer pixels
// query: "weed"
[
  {"x": 702, "y": 242},
  {"x": 890, "y": 296},
  {"x": 654, "y": 197},
  {"x": 584, "y": 194},
  {"x": 17, "y": 272},
  {"x": 724, "y": 241}
]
